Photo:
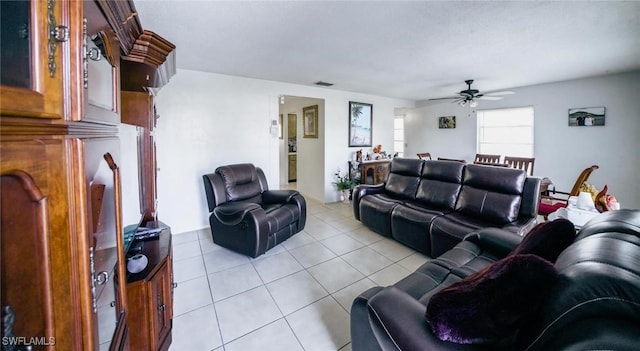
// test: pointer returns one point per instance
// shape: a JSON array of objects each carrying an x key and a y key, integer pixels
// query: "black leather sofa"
[
  {"x": 593, "y": 305},
  {"x": 431, "y": 205},
  {"x": 246, "y": 216}
]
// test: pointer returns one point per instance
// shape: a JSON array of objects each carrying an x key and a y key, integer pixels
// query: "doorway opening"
[{"x": 301, "y": 152}]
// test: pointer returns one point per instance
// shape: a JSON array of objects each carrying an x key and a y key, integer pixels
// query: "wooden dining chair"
[
  {"x": 558, "y": 199},
  {"x": 524, "y": 163},
  {"x": 486, "y": 158},
  {"x": 451, "y": 159},
  {"x": 424, "y": 156}
]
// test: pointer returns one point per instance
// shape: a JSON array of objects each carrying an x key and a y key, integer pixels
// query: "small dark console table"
[{"x": 150, "y": 293}]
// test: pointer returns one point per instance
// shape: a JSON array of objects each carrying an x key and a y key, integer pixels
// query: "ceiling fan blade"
[
  {"x": 446, "y": 98},
  {"x": 485, "y": 97},
  {"x": 504, "y": 92}
]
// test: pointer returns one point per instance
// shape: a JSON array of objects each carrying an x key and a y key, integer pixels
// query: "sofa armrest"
[
  {"x": 399, "y": 323},
  {"x": 361, "y": 191},
  {"x": 278, "y": 196},
  {"x": 521, "y": 226},
  {"x": 495, "y": 240},
  {"x": 231, "y": 213}
]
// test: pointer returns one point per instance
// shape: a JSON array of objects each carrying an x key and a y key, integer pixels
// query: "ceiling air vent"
[{"x": 324, "y": 84}]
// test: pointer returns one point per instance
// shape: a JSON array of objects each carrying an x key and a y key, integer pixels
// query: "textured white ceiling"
[{"x": 414, "y": 50}]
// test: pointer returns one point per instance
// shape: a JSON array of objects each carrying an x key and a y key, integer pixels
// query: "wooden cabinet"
[
  {"x": 293, "y": 168},
  {"x": 63, "y": 277},
  {"x": 374, "y": 172},
  {"x": 150, "y": 296},
  {"x": 78, "y": 255}
]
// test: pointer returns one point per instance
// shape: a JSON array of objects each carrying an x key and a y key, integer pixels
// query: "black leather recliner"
[
  {"x": 246, "y": 216},
  {"x": 594, "y": 305}
]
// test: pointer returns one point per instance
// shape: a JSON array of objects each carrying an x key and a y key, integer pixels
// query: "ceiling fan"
[{"x": 470, "y": 96}]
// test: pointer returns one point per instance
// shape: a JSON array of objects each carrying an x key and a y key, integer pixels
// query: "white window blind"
[
  {"x": 506, "y": 131},
  {"x": 398, "y": 135}
]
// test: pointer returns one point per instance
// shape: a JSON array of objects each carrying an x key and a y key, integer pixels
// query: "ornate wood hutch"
[{"x": 63, "y": 258}]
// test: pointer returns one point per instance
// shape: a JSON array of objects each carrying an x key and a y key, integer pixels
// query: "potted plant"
[{"x": 343, "y": 184}]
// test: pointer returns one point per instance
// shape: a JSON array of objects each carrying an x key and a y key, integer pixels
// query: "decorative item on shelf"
[
  {"x": 606, "y": 202},
  {"x": 377, "y": 152},
  {"x": 589, "y": 188},
  {"x": 359, "y": 155}
]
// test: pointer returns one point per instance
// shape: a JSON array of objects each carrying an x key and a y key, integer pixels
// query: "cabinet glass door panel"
[
  {"x": 100, "y": 72},
  {"x": 15, "y": 57},
  {"x": 106, "y": 249},
  {"x": 31, "y": 74}
]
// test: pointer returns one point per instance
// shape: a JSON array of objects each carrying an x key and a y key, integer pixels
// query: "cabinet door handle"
[
  {"x": 57, "y": 34},
  {"x": 160, "y": 306}
]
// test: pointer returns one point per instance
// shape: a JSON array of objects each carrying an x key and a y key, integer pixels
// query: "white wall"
[
  {"x": 208, "y": 120},
  {"x": 561, "y": 152}
]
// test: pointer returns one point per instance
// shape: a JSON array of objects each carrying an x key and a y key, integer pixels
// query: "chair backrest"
[
  {"x": 238, "y": 182},
  {"x": 451, "y": 159},
  {"x": 486, "y": 158},
  {"x": 524, "y": 163},
  {"x": 581, "y": 179},
  {"x": 424, "y": 156}
]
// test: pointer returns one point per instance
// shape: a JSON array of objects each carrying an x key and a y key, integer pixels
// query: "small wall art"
[
  {"x": 586, "y": 116},
  {"x": 360, "y": 120},
  {"x": 310, "y": 121},
  {"x": 447, "y": 122}
]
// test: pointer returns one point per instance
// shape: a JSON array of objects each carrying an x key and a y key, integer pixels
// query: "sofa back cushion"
[
  {"x": 404, "y": 175},
  {"x": 241, "y": 182},
  {"x": 440, "y": 183},
  {"x": 491, "y": 193}
]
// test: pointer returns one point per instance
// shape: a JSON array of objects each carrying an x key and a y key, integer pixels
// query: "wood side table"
[{"x": 374, "y": 172}]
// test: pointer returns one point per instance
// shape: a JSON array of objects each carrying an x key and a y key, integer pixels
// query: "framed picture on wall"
[
  {"x": 447, "y": 122},
  {"x": 310, "y": 121},
  {"x": 360, "y": 121},
  {"x": 586, "y": 116}
]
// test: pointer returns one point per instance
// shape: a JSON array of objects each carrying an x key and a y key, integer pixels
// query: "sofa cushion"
[
  {"x": 404, "y": 175},
  {"x": 490, "y": 305},
  {"x": 440, "y": 184},
  {"x": 491, "y": 193},
  {"x": 547, "y": 239},
  {"x": 410, "y": 226}
]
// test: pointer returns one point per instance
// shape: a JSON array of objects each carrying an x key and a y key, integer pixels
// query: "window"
[
  {"x": 398, "y": 135},
  {"x": 506, "y": 131}
]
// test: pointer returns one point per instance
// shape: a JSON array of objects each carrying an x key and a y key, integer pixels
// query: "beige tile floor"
[{"x": 295, "y": 297}]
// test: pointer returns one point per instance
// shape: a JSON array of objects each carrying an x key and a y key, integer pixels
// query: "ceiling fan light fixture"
[{"x": 473, "y": 103}]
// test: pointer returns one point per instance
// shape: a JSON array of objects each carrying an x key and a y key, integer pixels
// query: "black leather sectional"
[
  {"x": 593, "y": 305},
  {"x": 430, "y": 205}
]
